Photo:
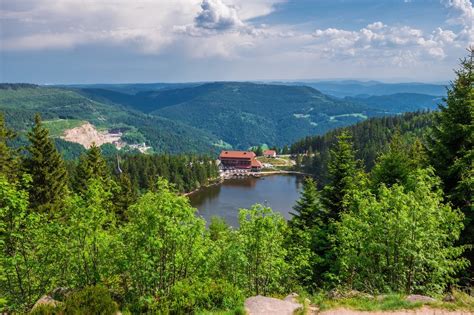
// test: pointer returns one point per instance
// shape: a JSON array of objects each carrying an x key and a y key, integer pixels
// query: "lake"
[{"x": 279, "y": 192}]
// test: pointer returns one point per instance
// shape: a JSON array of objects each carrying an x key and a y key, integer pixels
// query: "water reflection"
[{"x": 278, "y": 192}]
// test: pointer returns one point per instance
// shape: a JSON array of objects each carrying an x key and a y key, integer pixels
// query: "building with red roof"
[
  {"x": 246, "y": 160},
  {"x": 269, "y": 153}
]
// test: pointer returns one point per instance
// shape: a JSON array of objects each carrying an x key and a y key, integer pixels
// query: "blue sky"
[{"x": 92, "y": 41}]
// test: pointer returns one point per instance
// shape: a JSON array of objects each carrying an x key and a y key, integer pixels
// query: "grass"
[
  {"x": 276, "y": 162},
  {"x": 237, "y": 311},
  {"x": 388, "y": 303},
  {"x": 391, "y": 302},
  {"x": 58, "y": 126},
  {"x": 463, "y": 301}
]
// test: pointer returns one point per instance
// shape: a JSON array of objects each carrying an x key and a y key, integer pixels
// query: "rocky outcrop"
[
  {"x": 46, "y": 300},
  {"x": 87, "y": 134},
  {"x": 262, "y": 305},
  {"x": 420, "y": 298}
]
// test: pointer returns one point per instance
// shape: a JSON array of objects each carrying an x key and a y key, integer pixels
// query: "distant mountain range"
[
  {"x": 369, "y": 88},
  {"x": 203, "y": 117}
]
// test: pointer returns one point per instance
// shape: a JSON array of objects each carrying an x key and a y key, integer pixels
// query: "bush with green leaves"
[
  {"x": 202, "y": 294},
  {"x": 47, "y": 309},
  {"x": 262, "y": 234},
  {"x": 90, "y": 300},
  {"x": 400, "y": 239},
  {"x": 163, "y": 242}
]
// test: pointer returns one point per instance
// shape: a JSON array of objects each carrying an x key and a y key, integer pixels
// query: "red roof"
[
  {"x": 256, "y": 163},
  {"x": 237, "y": 154},
  {"x": 269, "y": 152}
]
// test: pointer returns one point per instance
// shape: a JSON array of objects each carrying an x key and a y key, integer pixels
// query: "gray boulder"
[
  {"x": 420, "y": 298},
  {"x": 262, "y": 305}
]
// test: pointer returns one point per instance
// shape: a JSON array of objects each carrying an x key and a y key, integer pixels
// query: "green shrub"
[
  {"x": 90, "y": 300},
  {"x": 187, "y": 297},
  {"x": 47, "y": 309}
]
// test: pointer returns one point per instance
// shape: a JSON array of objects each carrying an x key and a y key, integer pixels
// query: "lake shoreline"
[{"x": 222, "y": 178}]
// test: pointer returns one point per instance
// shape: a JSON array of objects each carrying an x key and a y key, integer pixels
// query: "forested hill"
[
  {"x": 399, "y": 102},
  {"x": 369, "y": 137},
  {"x": 245, "y": 114},
  {"x": 198, "y": 117},
  {"x": 355, "y": 88},
  {"x": 64, "y": 108}
]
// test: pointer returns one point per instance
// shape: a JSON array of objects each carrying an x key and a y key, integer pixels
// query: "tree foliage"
[
  {"x": 46, "y": 167},
  {"x": 398, "y": 240},
  {"x": 451, "y": 145}
]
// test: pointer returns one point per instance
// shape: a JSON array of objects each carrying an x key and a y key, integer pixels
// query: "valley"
[{"x": 162, "y": 117}]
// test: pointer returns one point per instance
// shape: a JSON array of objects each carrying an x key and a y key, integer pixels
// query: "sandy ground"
[
  {"x": 87, "y": 134},
  {"x": 421, "y": 311}
]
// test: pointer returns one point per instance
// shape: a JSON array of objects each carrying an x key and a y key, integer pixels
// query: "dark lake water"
[{"x": 276, "y": 191}]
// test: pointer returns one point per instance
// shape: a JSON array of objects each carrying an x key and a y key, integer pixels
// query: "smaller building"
[{"x": 270, "y": 153}]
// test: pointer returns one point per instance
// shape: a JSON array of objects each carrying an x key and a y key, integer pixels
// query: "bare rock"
[
  {"x": 338, "y": 294},
  {"x": 449, "y": 298},
  {"x": 292, "y": 297},
  {"x": 46, "y": 300},
  {"x": 262, "y": 305},
  {"x": 420, "y": 298}
]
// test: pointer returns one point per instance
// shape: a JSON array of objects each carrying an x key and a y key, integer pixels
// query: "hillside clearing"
[{"x": 86, "y": 135}]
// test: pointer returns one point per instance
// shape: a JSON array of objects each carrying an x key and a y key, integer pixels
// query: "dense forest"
[
  {"x": 369, "y": 138},
  {"x": 81, "y": 234}
]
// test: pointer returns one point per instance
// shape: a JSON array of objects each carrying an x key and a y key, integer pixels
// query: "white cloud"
[
  {"x": 224, "y": 29},
  {"x": 463, "y": 15},
  {"x": 377, "y": 42},
  {"x": 216, "y": 15},
  {"x": 151, "y": 25}
]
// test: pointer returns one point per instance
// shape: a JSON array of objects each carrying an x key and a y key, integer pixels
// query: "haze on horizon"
[{"x": 116, "y": 41}]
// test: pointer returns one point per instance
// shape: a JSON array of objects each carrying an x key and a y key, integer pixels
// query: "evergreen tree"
[
  {"x": 308, "y": 211},
  {"x": 452, "y": 139},
  {"x": 451, "y": 146},
  {"x": 46, "y": 166},
  {"x": 308, "y": 237},
  {"x": 125, "y": 195},
  {"x": 92, "y": 165},
  {"x": 398, "y": 162},
  {"x": 9, "y": 160},
  {"x": 343, "y": 171}
]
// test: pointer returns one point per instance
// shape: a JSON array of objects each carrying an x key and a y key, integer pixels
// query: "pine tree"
[
  {"x": 451, "y": 146},
  {"x": 46, "y": 166},
  {"x": 452, "y": 139},
  {"x": 343, "y": 169},
  {"x": 9, "y": 160},
  {"x": 308, "y": 210},
  {"x": 308, "y": 237},
  {"x": 92, "y": 165},
  {"x": 125, "y": 195},
  {"x": 392, "y": 166}
]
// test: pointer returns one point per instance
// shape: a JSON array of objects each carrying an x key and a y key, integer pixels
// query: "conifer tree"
[
  {"x": 92, "y": 165},
  {"x": 343, "y": 169},
  {"x": 452, "y": 139},
  {"x": 451, "y": 146},
  {"x": 308, "y": 210},
  {"x": 9, "y": 160},
  {"x": 396, "y": 164},
  {"x": 124, "y": 196},
  {"x": 46, "y": 166},
  {"x": 308, "y": 237}
]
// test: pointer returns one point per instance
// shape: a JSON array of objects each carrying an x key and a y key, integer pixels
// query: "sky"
[{"x": 125, "y": 41}]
